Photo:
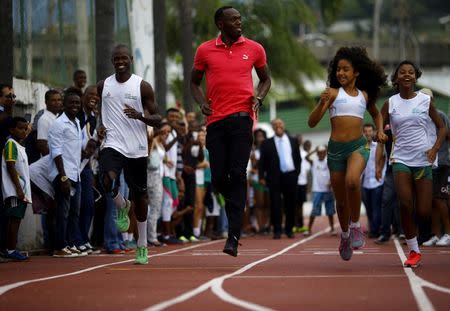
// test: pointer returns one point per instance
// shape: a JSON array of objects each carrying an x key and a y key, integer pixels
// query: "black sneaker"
[{"x": 231, "y": 246}]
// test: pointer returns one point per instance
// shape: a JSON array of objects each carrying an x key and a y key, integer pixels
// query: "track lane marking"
[
  {"x": 216, "y": 284},
  {"x": 319, "y": 276},
  {"x": 8, "y": 287},
  {"x": 417, "y": 283}
]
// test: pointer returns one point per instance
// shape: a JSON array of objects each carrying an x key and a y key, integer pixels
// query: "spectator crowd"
[{"x": 183, "y": 206}]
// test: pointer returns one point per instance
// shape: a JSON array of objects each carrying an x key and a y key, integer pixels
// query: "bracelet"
[{"x": 260, "y": 100}]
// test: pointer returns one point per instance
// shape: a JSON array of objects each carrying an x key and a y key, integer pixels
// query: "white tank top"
[
  {"x": 346, "y": 105},
  {"x": 412, "y": 129},
  {"x": 125, "y": 135}
]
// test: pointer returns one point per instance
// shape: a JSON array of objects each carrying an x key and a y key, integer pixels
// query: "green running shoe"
[
  {"x": 141, "y": 255},
  {"x": 193, "y": 239},
  {"x": 183, "y": 239},
  {"x": 123, "y": 221}
]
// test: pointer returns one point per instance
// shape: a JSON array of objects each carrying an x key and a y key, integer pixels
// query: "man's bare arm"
[
  {"x": 151, "y": 112},
  {"x": 263, "y": 86},
  {"x": 197, "y": 92}
]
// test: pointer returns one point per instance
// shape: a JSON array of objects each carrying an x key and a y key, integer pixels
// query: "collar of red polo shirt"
[{"x": 220, "y": 42}]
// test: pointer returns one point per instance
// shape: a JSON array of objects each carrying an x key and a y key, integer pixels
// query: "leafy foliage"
[{"x": 271, "y": 23}]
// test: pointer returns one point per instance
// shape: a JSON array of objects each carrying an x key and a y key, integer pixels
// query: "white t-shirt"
[
  {"x": 369, "y": 180},
  {"x": 320, "y": 176},
  {"x": 125, "y": 135},
  {"x": 413, "y": 131},
  {"x": 304, "y": 169},
  {"x": 44, "y": 123},
  {"x": 15, "y": 152}
]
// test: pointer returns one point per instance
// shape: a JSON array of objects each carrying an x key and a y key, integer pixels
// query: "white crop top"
[{"x": 346, "y": 105}]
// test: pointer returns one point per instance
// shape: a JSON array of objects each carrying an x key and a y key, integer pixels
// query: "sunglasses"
[{"x": 10, "y": 96}]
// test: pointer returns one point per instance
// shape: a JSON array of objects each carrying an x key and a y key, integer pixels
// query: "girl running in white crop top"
[{"x": 354, "y": 82}]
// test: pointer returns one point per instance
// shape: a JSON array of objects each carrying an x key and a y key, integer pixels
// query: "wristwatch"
[
  {"x": 64, "y": 178},
  {"x": 260, "y": 100}
]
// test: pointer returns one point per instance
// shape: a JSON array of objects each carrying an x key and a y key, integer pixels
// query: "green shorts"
[
  {"x": 259, "y": 187},
  {"x": 339, "y": 152},
  {"x": 15, "y": 208},
  {"x": 418, "y": 172}
]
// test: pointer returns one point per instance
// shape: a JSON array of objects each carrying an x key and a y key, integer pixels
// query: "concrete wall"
[{"x": 30, "y": 232}]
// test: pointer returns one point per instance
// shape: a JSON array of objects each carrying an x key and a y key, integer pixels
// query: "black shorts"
[
  {"x": 134, "y": 170},
  {"x": 440, "y": 188},
  {"x": 301, "y": 193},
  {"x": 189, "y": 185},
  {"x": 15, "y": 207}
]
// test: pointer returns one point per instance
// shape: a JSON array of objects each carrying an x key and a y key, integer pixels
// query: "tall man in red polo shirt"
[{"x": 230, "y": 106}]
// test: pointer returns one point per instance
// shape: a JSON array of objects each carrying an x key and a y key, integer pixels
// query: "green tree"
[
  {"x": 272, "y": 23},
  {"x": 160, "y": 41}
]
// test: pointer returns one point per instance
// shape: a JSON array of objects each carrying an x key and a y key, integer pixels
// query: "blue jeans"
[
  {"x": 222, "y": 221},
  {"x": 86, "y": 206},
  {"x": 112, "y": 237},
  {"x": 67, "y": 215},
  {"x": 372, "y": 202},
  {"x": 325, "y": 197}
]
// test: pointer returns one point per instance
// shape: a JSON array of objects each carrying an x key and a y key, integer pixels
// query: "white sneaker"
[
  {"x": 431, "y": 242},
  {"x": 76, "y": 251},
  {"x": 444, "y": 240}
]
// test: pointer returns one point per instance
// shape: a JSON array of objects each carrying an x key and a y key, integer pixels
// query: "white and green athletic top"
[
  {"x": 15, "y": 152},
  {"x": 413, "y": 131}
]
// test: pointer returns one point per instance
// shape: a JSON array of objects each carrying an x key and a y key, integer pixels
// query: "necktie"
[{"x": 281, "y": 155}]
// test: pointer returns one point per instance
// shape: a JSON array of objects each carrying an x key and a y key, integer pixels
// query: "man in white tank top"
[{"x": 127, "y": 107}]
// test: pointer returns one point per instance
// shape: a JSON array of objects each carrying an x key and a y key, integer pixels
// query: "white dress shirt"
[
  {"x": 65, "y": 139},
  {"x": 44, "y": 123},
  {"x": 284, "y": 150}
]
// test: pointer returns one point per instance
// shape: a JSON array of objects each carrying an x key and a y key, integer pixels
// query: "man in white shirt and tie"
[{"x": 278, "y": 169}]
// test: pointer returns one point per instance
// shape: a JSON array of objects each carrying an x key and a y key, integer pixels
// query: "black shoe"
[
  {"x": 382, "y": 239},
  {"x": 276, "y": 236},
  {"x": 290, "y": 235},
  {"x": 231, "y": 246}
]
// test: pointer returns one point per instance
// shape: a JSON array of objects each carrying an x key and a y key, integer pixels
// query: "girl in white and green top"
[{"x": 412, "y": 117}]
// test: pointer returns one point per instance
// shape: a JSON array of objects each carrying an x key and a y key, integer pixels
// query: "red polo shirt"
[{"x": 228, "y": 70}]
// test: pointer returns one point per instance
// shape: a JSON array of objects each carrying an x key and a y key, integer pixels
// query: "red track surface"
[{"x": 310, "y": 275}]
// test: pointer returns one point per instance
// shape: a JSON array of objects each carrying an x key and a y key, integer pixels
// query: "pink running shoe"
[
  {"x": 345, "y": 248},
  {"x": 357, "y": 237}
]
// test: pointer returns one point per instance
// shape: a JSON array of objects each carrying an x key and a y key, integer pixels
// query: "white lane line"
[
  {"x": 325, "y": 276},
  {"x": 216, "y": 283},
  {"x": 423, "y": 282},
  {"x": 417, "y": 283},
  {"x": 8, "y": 287},
  {"x": 218, "y": 290}
]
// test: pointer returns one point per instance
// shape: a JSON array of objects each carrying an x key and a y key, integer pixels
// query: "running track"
[{"x": 286, "y": 274}]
